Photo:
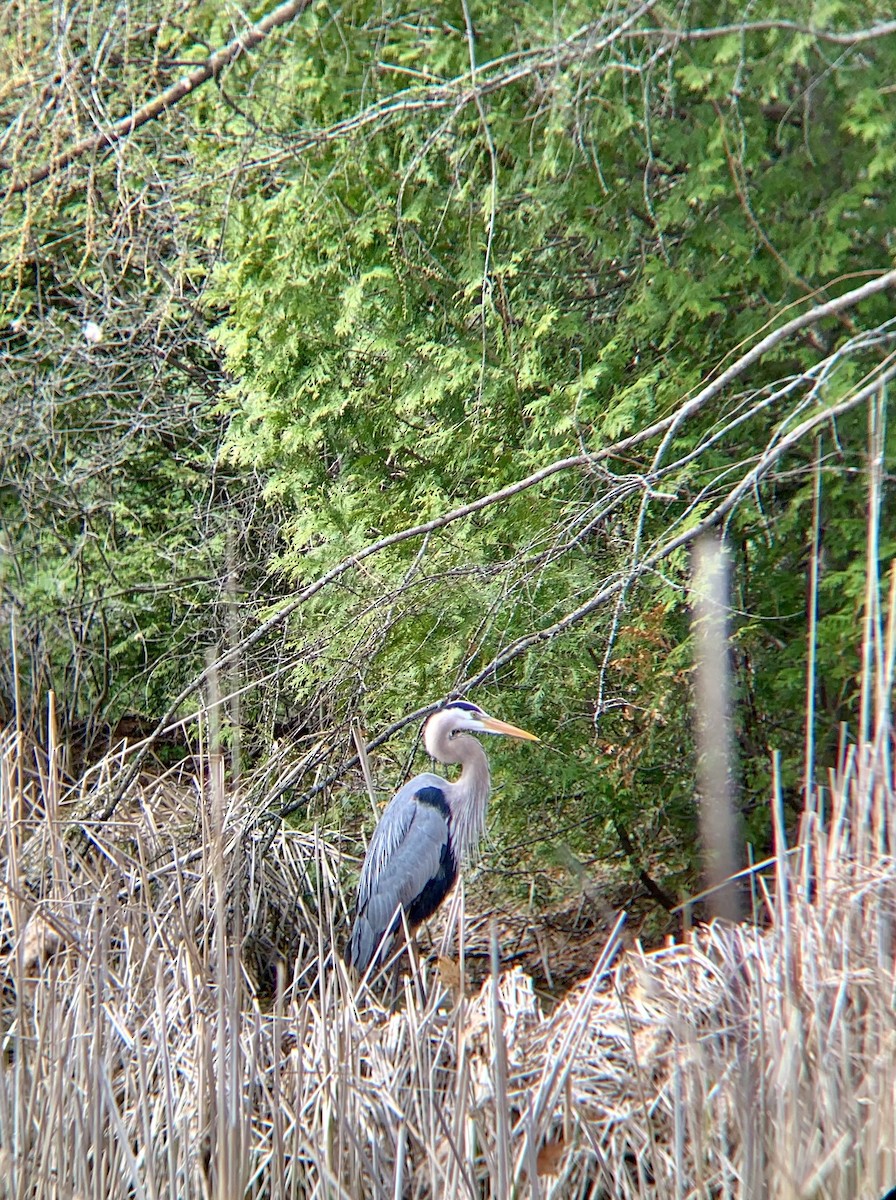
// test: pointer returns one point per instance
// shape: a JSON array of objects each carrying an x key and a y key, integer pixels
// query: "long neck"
[{"x": 468, "y": 796}]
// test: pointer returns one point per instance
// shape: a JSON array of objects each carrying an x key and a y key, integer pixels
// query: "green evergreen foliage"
[{"x": 430, "y": 279}]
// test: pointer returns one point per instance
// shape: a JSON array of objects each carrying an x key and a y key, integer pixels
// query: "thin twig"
[{"x": 210, "y": 68}]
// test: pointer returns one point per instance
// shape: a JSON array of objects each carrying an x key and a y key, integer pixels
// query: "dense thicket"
[{"x": 401, "y": 257}]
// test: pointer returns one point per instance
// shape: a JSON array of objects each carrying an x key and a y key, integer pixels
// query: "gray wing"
[{"x": 405, "y": 853}]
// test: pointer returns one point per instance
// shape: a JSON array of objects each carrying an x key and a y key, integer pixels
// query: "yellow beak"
[{"x": 493, "y": 725}]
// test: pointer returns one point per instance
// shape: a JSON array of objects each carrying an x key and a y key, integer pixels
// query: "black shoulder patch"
[
  {"x": 435, "y": 798},
  {"x": 434, "y": 890}
]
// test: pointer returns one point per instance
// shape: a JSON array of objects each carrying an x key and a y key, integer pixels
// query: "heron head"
[{"x": 463, "y": 717}]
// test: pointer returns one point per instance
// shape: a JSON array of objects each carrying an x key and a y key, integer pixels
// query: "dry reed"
[
  {"x": 177, "y": 1024},
  {"x": 141, "y": 1058}
]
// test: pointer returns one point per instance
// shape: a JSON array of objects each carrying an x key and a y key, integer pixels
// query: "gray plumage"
[
  {"x": 429, "y": 828},
  {"x": 406, "y": 852}
]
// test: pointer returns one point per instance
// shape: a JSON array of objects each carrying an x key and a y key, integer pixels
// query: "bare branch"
[
  {"x": 209, "y": 69},
  {"x": 831, "y": 308},
  {"x": 848, "y": 37}
]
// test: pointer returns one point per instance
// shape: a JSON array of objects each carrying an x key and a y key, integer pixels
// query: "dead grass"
[{"x": 144, "y": 1056}]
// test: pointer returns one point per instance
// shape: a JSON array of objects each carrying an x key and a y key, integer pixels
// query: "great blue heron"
[{"x": 430, "y": 827}]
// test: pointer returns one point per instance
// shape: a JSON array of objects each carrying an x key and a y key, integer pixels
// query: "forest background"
[{"x": 404, "y": 351}]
